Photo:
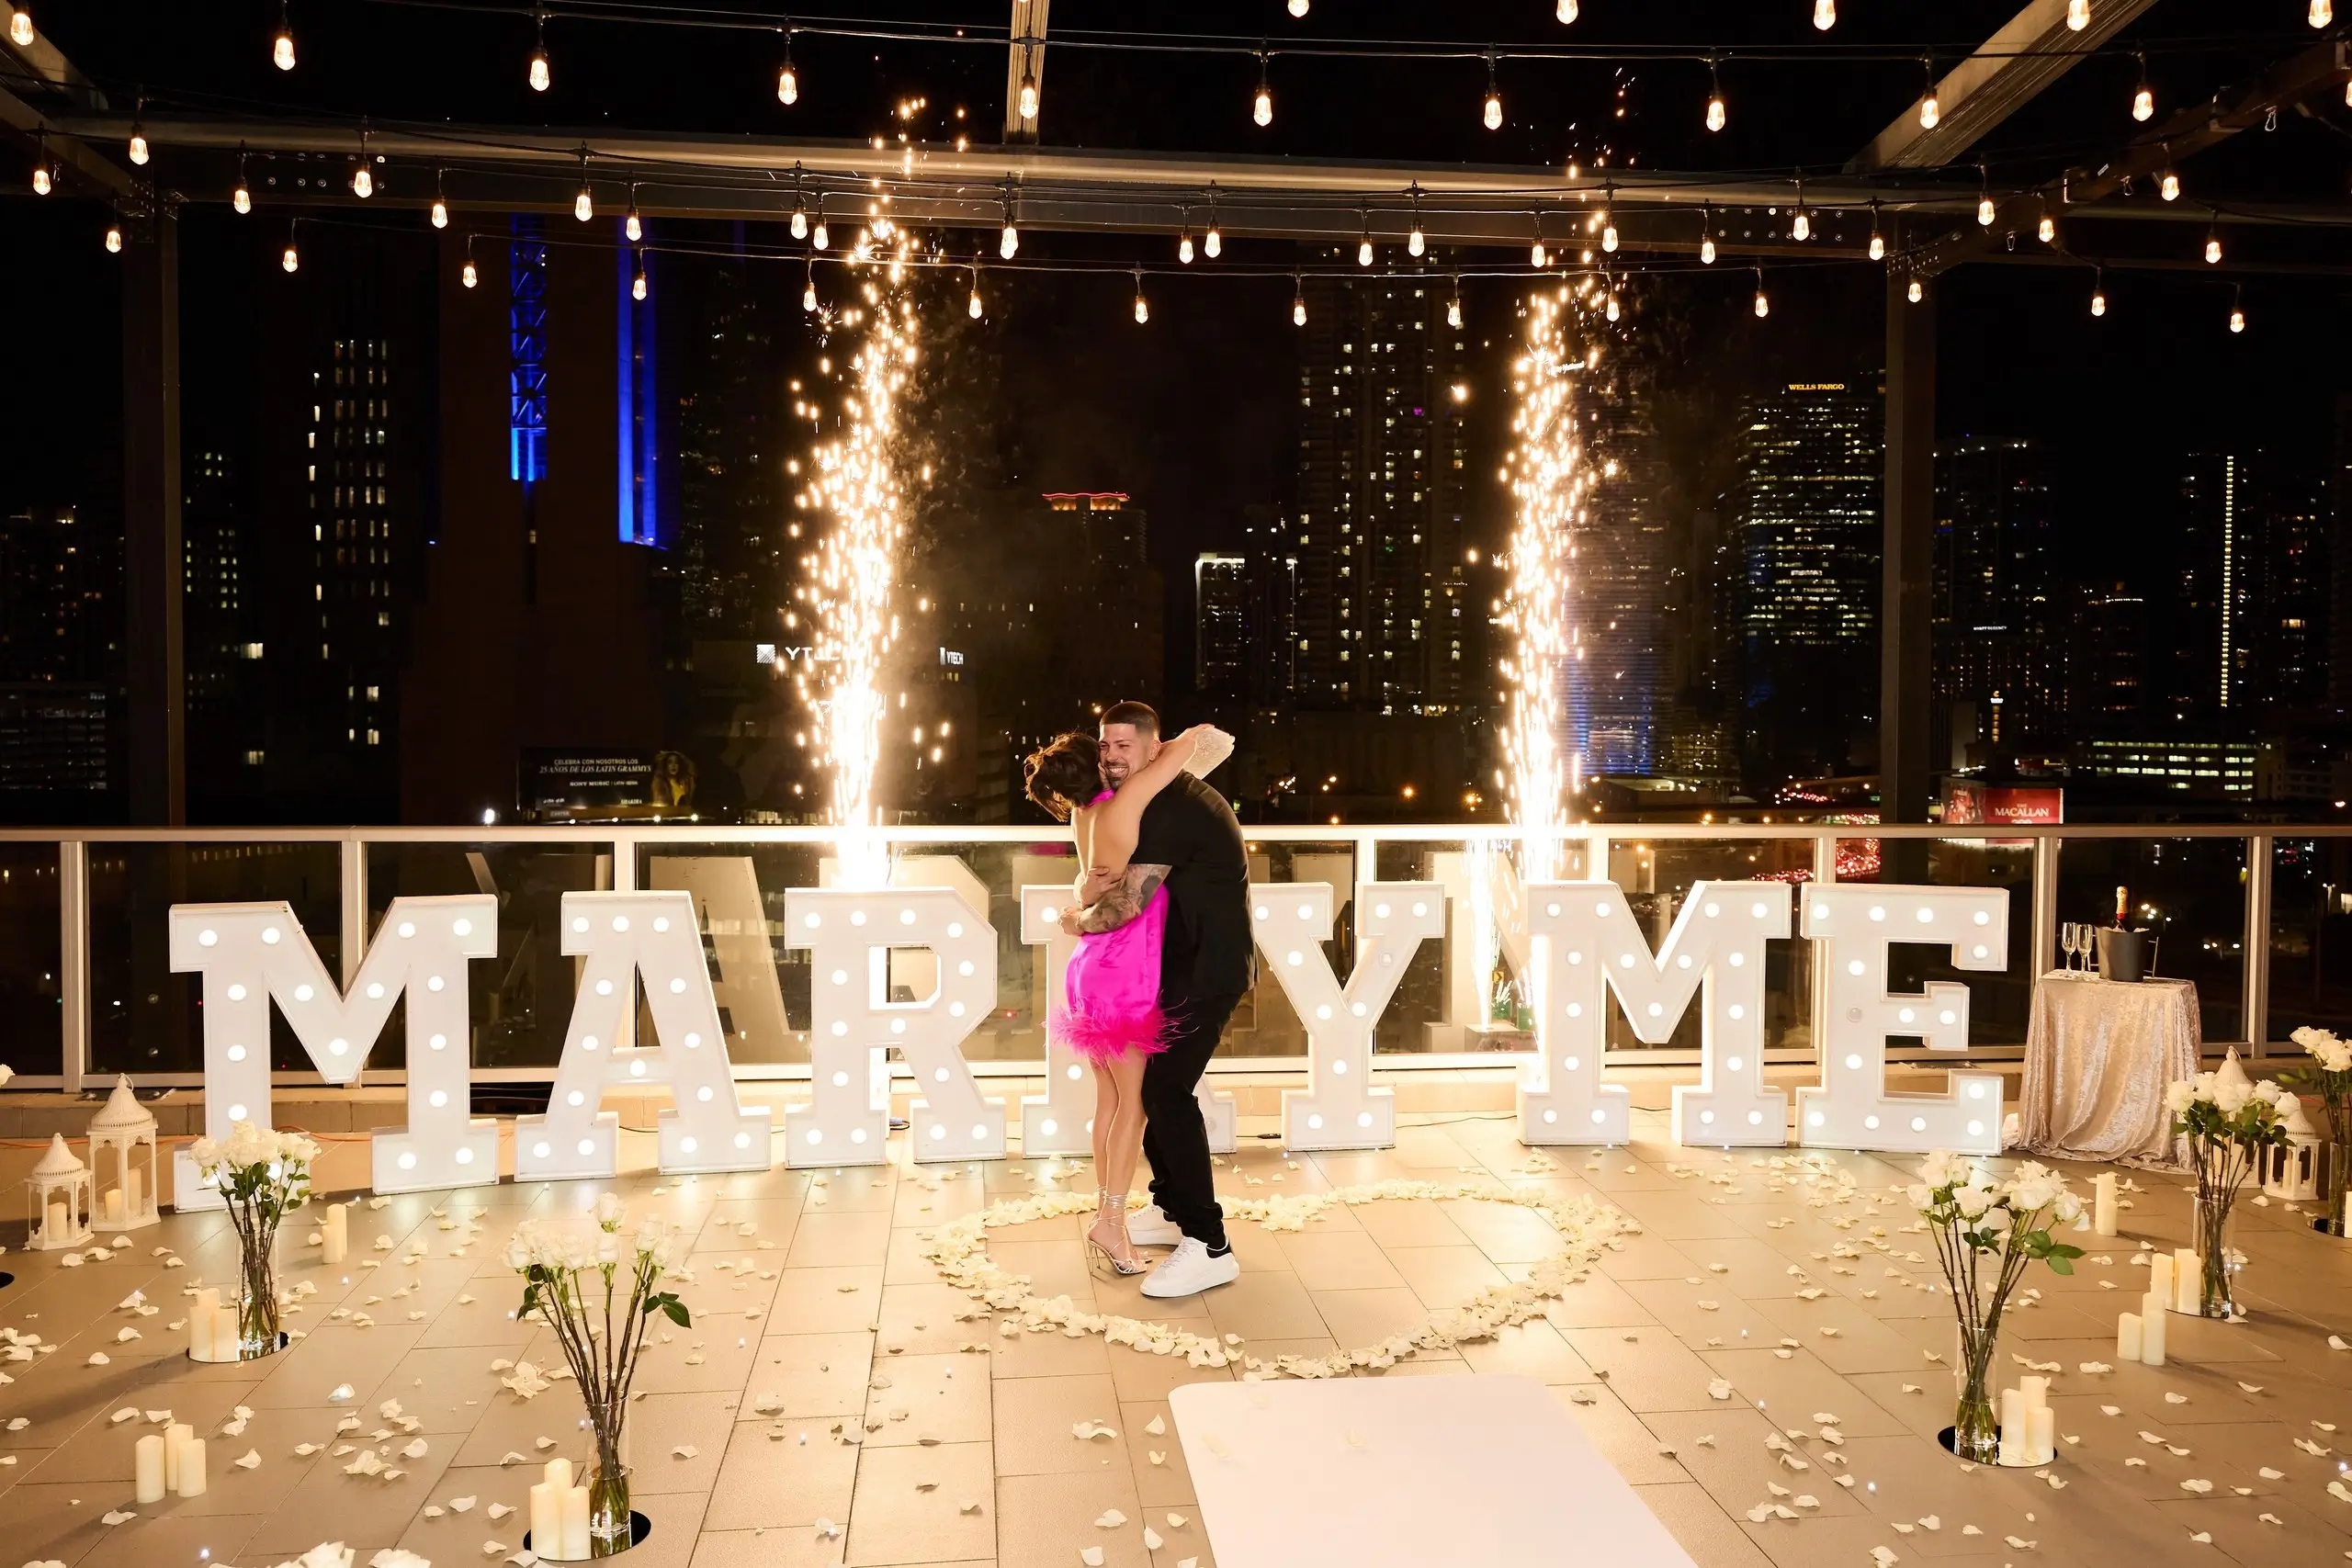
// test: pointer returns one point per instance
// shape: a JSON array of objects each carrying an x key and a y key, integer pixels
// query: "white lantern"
[
  {"x": 2291, "y": 1170},
  {"x": 121, "y": 1128},
  {"x": 60, "y": 1189}
]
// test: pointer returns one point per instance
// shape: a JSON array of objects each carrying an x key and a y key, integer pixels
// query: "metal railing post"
[
  {"x": 355, "y": 909},
  {"x": 2045, "y": 907},
  {"x": 74, "y": 963},
  {"x": 1825, "y": 856},
  {"x": 2257, "y": 943}
]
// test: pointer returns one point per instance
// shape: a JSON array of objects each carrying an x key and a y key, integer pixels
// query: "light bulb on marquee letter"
[
  {"x": 1852, "y": 929},
  {"x": 855, "y": 1026},
  {"x": 624, "y": 937},
  {"x": 1340, "y": 1109},
  {"x": 252, "y": 954}
]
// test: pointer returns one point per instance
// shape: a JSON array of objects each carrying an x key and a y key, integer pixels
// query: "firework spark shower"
[
  {"x": 856, "y": 570},
  {"x": 1548, "y": 484}
]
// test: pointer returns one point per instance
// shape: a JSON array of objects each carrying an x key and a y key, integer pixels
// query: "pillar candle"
[
  {"x": 557, "y": 1474},
  {"x": 114, "y": 1210},
  {"x": 547, "y": 1522},
  {"x": 2187, "y": 1268},
  {"x": 575, "y": 1524},
  {"x": 134, "y": 1192},
  {"x": 2152, "y": 1332},
  {"x": 199, "y": 1324},
  {"x": 192, "y": 1484},
  {"x": 175, "y": 1437},
  {"x": 2041, "y": 1422},
  {"x": 227, "y": 1335},
  {"x": 332, "y": 1237},
  {"x": 2103, "y": 1192},
  {"x": 2160, "y": 1278},
  {"x": 2127, "y": 1336},
  {"x": 150, "y": 1468},
  {"x": 58, "y": 1224},
  {"x": 2034, "y": 1392},
  {"x": 2013, "y": 1428}
]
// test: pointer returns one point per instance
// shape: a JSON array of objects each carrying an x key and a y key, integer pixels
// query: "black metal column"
[
  {"x": 1905, "y": 671},
  {"x": 152, "y": 569}
]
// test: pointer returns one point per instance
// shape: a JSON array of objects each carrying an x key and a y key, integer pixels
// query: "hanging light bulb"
[
  {"x": 1493, "y": 117},
  {"x": 2078, "y": 15},
  {"x": 1930, "y": 111},
  {"x": 1415, "y": 242},
  {"x": 114, "y": 236},
  {"x": 787, "y": 77},
  {"x": 1917, "y": 291},
  {"x": 799, "y": 220},
  {"x": 1143, "y": 309},
  {"x": 540, "y": 75},
  {"x": 2237, "y": 311},
  {"x": 363, "y": 182},
  {"x": 1801, "y": 226},
  {"x": 1763, "y": 305},
  {"x": 1985, "y": 213},
  {"x": 2098, "y": 293},
  {"x": 1363, "y": 247},
  {"x": 631, "y": 223},
  {"x": 636, "y": 285},
  {"x": 1184, "y": 247},
  {"x": 1716, "y": 116},
  {"x": 583, "y": 206},
  {"x": 21, "y": 27},
  {"x": 1028, "y": 95},
  {"x": 281, "y": 48},
  {"x": 292, "y": 260},
  {"x": 2169, "y": 186},
  {"x": 1567, "y": 11},
  {"x": 820, "y": 237},
  {"x": 2322, "y": 13},
  {"x": 138, "y": 132},
  {"x": 2213, "y": 247},
  {"x": 1262, "y": 107},
  {"x": 2046, "y": 230},
  {"x": 1608, "y": 217},
  {"x": 440, "y": 201},
  {"x": 42, "y": 181},
  {"x": 1607, "y": 299},
  {"x": 1213, "y": 242},
  {"x": 1706, "y": 234},
  {"x": 1824, "y": 14},
  {"x": 2143, "y": 97},
  {"x": 470, "y": 276},
  {"x": 1454, "y": 306},
  {"x": 1537, "y": 256},
  {"x": 1008, "y": 243},
  {"x": 1298, "y": 8},
  {"x": 1878, "y": 241},
  {"x": 972, "y": 306},
  {"x": 808, "y": 290}
]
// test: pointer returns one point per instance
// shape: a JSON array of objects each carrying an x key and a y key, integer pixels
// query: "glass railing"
[{"x": 86, "y": 989}]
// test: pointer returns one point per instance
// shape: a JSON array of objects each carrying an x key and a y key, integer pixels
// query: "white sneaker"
[
  {"x": 1148, "y": 1226},
  {"x": 1190, "y": 1269}
]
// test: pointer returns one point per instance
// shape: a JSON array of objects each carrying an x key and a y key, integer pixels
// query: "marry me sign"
[{"x": 1585, "y": 951}]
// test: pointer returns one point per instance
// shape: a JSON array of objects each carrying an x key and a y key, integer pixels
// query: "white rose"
[
  {"x": 1920, "y": 1195},
  {"x": 609, "y": 1210},
  {"x": 2178, "y": 1096},
  {"x": 1941, "y": 1169},
  {"x": 1973, "y": 1201},
  {"x": 2232, "y": 1096},
  {"x": 2070, "y": 1208}
]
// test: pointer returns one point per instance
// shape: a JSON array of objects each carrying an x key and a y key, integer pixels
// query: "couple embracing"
[{"x": 1164, "y": 955}]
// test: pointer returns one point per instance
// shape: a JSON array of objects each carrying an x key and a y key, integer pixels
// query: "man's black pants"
[{"x": 1175, "y": 1139}]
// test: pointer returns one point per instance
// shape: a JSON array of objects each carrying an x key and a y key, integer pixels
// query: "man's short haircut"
[{"x": 1140, "y": 714}]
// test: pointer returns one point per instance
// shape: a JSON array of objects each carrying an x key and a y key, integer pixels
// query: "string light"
[
  {"x": 1930, "y": 111},
  {"x": 1801, "y": 226},
  {"x": 363, "y": 182},
  {"x": 1213, "y": 242},
  {"x": 1537, "y": 256},
  {"x": 808, "y": 289},
  {"x": 787, "y": 77},
  {"x": 1415, "y": 241},
  {"x": 630, "y": 224},
  {"x": 1262, "y": 107},
  {"x": 972, "y": 306},
  {"x": 636, "y": 285},
  {"x": 1917, "y": 291},
  {"x": 2237, "y": 297},
  {"x": 2099, "y": 292},
  {"x": 1608, "y": 217},
  {"x": 470, "y": 276},
  {"x": 440, "y": 201},
  {"x": 1298, "y": 8},
  {"x": 281, "y": 48},
  {"x": 1985, "y": 213},
  {"x": 540, "y": 75},
  {"x": 1609, "y": 298},
  {"x": 2168, "y": 186},
  {"x": 114, "y": 236},
  {"x": 2046, "y": 230},
  {"x": 2322, "y": 13},
  {"x": 1716, "y": 116},
  {"x": 43, "y": 182},
  {"x": 1363, "y": 247},
  {"x": 1878, "y": 241},
  {"x": 1297, "y": 301},
  {"x": 1707, "y": 233},
  {"x": 583, "y": 206},
  {"x": 1143, "y": 307},
  {"x": 21, "y": 27},
  {"x": 2213, "y": 244},
  {"x": 292, "y": 260},
  {"x": 1008, "y": 243},
  {"x": 2143, "y": 97},
  {"x": 138, "y": 132},
  {"x": 2078, "y": 15},
  {"x": 1184, "y": 243},
  {"x": 799, "y": 208},
  {"x": 1494, "y": 115},
  {"x": 1763, "y": 305},
  {"x": 1567, "y": 11},
  {"x": 1028, "y": 95},
  {"x": 1824, "y": 14},
  {"x": 1453, "y": 306}
]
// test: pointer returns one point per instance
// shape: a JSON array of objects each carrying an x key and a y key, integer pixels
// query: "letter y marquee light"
[
  {"x": 623, "y": 936},
  {"x": 252, "y": 955},
  {"x": 855, "y": 1024},
  {"x": 1593, "y": 946},
  {"x": 1852, "y": 928},
  {"x": 1340, "y": 1109}
]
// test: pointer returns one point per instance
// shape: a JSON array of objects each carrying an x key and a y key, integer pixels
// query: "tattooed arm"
[{"x": 1122, "y": 902}]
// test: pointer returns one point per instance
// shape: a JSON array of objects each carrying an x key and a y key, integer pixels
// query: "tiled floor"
[{"x": 817, "y": 1322}]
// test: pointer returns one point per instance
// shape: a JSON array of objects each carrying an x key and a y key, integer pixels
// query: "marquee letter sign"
[
  {"x": 624, "y": 936},
  {"x": 1852, "y": 928},
  {"x": 1591, "y": 945},
  {"x": 252, "y": 954},
  {"x": 1340, "y": 1109},
  {"x": 857, "y": 1023}
]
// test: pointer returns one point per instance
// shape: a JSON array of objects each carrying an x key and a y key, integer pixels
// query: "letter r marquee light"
[{"x": 1852, "y": 929}]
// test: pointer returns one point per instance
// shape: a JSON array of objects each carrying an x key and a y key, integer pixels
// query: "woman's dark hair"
[{"x": 1066, "y": 773}]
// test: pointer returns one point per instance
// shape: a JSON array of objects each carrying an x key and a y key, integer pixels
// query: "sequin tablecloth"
[{"x": 2098, "y": 1055}]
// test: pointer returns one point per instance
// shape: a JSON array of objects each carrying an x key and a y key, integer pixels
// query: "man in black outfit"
[{"x": 1189, "y": 842}]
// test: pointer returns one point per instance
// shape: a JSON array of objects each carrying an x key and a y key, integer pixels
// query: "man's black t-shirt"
[{"x": 1189, "y": 829}]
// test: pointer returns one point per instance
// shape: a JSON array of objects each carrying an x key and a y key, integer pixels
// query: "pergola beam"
[{"x": 2032, "y": 49}]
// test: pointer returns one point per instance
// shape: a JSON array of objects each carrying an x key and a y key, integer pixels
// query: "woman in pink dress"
[{"x": 1109, "y": 1012}]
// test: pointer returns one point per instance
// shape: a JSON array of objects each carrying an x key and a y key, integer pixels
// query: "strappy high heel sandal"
[{"x": 1106, "y": 1239}]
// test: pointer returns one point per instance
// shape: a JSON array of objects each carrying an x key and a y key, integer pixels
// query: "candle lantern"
[
  {"x": 123, "y": 1133},
  {"x": 2291, "y": 1169},
  {"x": 61, "y": 1192}
]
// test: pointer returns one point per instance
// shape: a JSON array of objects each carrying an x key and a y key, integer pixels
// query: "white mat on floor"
[{"x": 1408, "y": 1472}]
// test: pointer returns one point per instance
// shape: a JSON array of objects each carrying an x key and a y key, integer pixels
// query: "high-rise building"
[
  {"x": 2106, "y": 676},
  {"x": 2252, "y": 581},
  {"x": 1220, "y": 624},
  {"x": 1995, "y": 643},
  {"x": 223, "y": 649},
  {"x": 1806, "y": 509},
  {"x": 61, "y": 657},
  {"x": 1615, "y": 691},
  {"x": 728, "y": 394},
  {"x": 1382, "y": 599}
]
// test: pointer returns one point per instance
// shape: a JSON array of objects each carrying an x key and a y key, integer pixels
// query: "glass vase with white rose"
[
  {"x": 595, "y": 1286},
  {"x": 262, "y": 1174},
  {"x": 1986, "y": 1231},
  {"x": 2330, "y": 1078},
  {"x": 2230, "y": 1122}
]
